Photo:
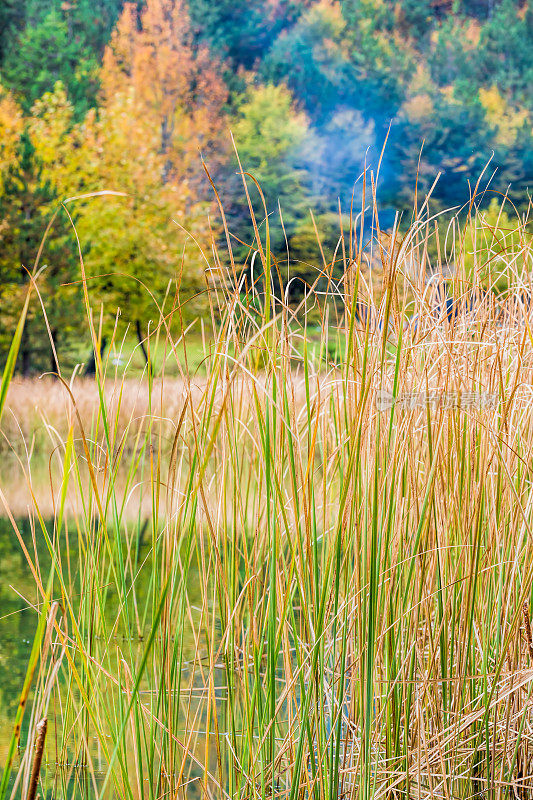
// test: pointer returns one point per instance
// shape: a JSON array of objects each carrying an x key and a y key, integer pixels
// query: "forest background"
[{"x": 128, "y": 98}]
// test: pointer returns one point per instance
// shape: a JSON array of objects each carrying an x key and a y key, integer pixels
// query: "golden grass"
[{"x": 269, "y": 584}]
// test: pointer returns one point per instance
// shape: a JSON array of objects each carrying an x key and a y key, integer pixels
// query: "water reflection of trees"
[{"x": 17, "y": 623}]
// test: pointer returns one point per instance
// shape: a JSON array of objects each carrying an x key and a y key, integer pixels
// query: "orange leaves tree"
[
  {"x": 161, "y": 108},
  {"x": 11, "y": 127}
]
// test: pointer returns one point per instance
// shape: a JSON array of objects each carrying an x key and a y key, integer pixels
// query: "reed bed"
[
  {"x": 41, "y": 408},
  {"x": 324, "y": 589}
]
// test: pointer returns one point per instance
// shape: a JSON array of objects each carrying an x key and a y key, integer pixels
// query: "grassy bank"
[{"x": 306, "y": 574}]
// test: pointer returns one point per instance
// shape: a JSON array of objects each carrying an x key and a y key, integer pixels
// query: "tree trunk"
[
  {"x": 25, "y": 346},
  {"x": 90, "y": 369},
  {"x": 25, "y": 354},
  {"x": 141, "y": 342},
  {"x": 54, "y": 367}
]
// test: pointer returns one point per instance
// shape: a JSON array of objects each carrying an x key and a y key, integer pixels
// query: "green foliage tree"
[
  {"x": 42, "y": 55},
  {"x": 242, "y": 31},
  {"x": 12, "y": 15},
  {"x": 416, "y": 16},
  {"x": 310, "y": 59},
  {"x": 269, "y": 132},
  {"x": 62, "y": 40},
  {"x": 452, "y": 53},
  {"x": 27, "y": 203},
  {"x": 456, "y": 148},
  {"x": 380, "y": 55},
  {"x": 505, "y": 53}
]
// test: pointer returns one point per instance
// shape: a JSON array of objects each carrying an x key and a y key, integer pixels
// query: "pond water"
[
  {"x": 17, "y": 626},
  {"x": 18, "y": 622},
  {"x": 196, "y": 695}
]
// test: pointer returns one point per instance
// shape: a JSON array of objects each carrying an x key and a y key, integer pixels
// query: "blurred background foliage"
[{"x": 101, "y": 95}]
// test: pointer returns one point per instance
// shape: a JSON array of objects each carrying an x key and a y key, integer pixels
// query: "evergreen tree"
[
  {"x": 309, "y": 57},
  {"x": 42, "y": 55},
  {"x": 381, "y": 58},
  {"x": 12, "y": 16},
  {"x": 243, "y": 31},
  {"x": 26, "y": 205},
  {"x": 57, "y": 41},
  {"x": 505, "y": 53}
]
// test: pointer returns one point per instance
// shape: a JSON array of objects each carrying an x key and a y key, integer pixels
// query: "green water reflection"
[{"x": 18, "y": 622}]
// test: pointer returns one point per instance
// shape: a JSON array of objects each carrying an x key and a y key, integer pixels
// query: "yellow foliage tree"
[
  {"x": 160, "y": 109},
  {"x": 161, "y": 105},
  {"x": 11, "y": 127},
  {"x": 505, "y": 121},
  {"x": 496, "y": 249}
]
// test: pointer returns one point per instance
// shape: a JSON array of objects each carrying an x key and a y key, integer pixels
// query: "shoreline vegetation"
[
  {"x": 319, "y": 595},
  {"x": 132, "y": 112}
]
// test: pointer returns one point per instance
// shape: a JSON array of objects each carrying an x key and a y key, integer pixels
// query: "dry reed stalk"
[
  {"x": 40, "y": 736},
  {"x": 527, "y": 625}
]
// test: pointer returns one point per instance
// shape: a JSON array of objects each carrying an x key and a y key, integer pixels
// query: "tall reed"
[{"x": 314, "y": 578}]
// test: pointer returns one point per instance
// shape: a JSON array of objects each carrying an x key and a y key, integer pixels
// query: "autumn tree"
[
  {"x": 161, "y": 109},
  {"x": 11, "y": 127}
]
